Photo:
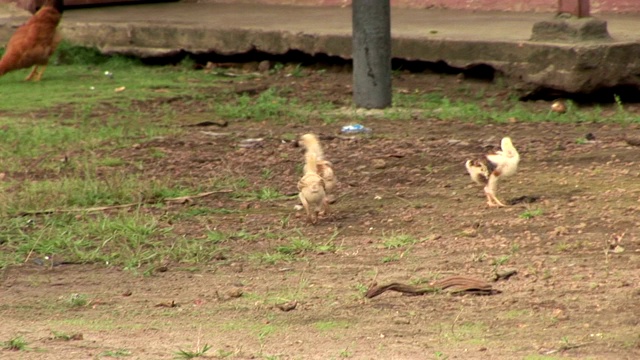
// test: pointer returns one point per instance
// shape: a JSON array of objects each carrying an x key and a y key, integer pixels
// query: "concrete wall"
[{"x": 597, "y": 6}]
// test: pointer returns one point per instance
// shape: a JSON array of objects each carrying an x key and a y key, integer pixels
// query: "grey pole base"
[{"x": 371, "y": 53}]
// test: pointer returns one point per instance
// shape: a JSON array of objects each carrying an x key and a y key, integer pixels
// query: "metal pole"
[
  {"x": 578, "y": 8},
  {"x": 371, "y": 42}
]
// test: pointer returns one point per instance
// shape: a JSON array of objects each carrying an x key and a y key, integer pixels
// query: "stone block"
[{"x": 570, "y": 30}]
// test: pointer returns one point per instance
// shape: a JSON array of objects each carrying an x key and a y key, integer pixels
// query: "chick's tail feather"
[
  {"x": 311, "y": 163},
  {"x": 478, "y": 171},
  {"x": 312, "y": 144}
]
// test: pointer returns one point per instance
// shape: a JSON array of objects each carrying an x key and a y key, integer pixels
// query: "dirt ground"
[{"x": 575, "y": 248}]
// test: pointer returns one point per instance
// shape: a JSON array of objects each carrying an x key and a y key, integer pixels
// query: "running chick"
[
  {"x": 324, "y": 168},
  {"x": 495, "y": 165},
  {"x": 312, "y": 189}
]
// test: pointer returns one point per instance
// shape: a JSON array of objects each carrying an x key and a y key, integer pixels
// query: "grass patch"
[
  {"x": 331, "y": 325},
  {"x": 218, "y": 237},
  {"x": 269, "y": 105},
  {"x": 271, "y": 258},
  {"x": 516, "y": 314},
  {"x": 262, "y": 194},
  {"x": 82, "y": 189},
  {"x": 194, "y": 251},
  {"x": 17, "y": 343},
  {"x": 78, "y": 300},
  {"x": 484, "y": 110},
  {"x": 263, "y": 331},
  {"x": 118, "y": 353},
  {"x": 501, "y": 260},
  {"x": 390, "y": 258},
  {"x": 128, "y": 239},
  {"x": 296, "y": 248},
  {"x": 204, "y": 211},
  {"x": 111, "y": 162},
  {"x": 440, "y": 355},
  {"x": 190, "y": 354},
  {"x": 530, "y": 213},
  {"x": 396, "y": 241},
  {"x": 72, "y": 192},
  {"x": 83, "y": 78},
  {"x": 470, "y": 330},
  {"x": 62, "y": 336}
]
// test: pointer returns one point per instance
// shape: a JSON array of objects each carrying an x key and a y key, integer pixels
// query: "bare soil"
[{"x": 575, "y": 293}]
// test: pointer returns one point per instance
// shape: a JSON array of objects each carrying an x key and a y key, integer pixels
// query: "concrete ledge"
[
  {"x": 527, "y": 65},
  {"x": 148, "y": 40}
]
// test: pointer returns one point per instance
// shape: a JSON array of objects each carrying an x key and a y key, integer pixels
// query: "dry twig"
[
  {"x": 453, "y": 285},
  {"x": 179, "y": 200}
]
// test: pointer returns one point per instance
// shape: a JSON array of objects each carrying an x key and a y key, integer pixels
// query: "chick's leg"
[
  {"x": 325, "y": 206},
  {"x": 497, "y": 202},
  {"x": 305, "y": 204},
  {"x": 490, "y": 190},
  {"x": 489, "y": 199}
]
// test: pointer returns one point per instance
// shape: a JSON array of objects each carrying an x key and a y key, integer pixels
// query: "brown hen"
[{"x": 34, "y": 42}]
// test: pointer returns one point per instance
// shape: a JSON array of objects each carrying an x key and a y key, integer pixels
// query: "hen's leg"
[
  {"x": 39, "y": 73},
  {"x": 32, "y": 73}
]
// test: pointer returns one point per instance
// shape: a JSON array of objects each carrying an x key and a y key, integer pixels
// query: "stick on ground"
[
  {"x": 453, "y": 285},
  {"x": 179, "y": 200}
]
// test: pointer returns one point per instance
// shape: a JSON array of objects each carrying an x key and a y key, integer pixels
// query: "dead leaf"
[
  {"x": 172, "y": 304},
  {"x": 288, "y": 306},
  {"x": 234, "y": 293}
]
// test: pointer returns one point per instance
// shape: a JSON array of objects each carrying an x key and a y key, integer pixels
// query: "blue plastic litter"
[{"x": 355, "y": 129}]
